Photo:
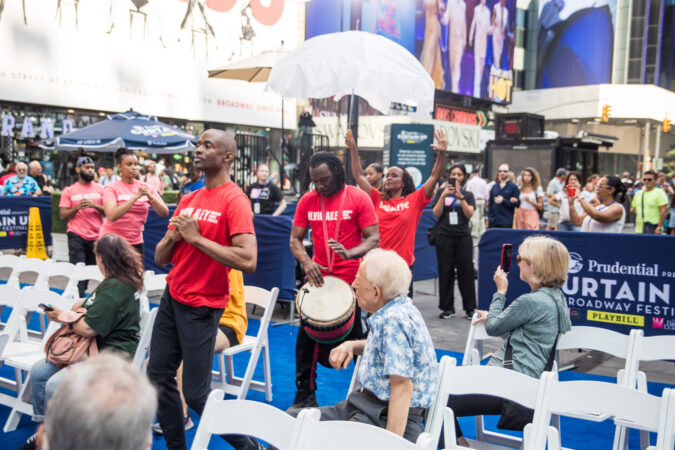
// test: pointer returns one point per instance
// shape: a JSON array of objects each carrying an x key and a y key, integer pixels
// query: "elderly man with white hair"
[
  {"x": 398, "y": 371},
  {"x": 21, "y": 183}
]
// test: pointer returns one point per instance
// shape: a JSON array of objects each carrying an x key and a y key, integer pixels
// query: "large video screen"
[
  {"x": 575, "y": 42},
  {"x": 466, "y": 46}
]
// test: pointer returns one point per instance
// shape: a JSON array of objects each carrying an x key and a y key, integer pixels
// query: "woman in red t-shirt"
[
  {"x": 399, "y": 206},
  {"x": 126, "y": 202}
]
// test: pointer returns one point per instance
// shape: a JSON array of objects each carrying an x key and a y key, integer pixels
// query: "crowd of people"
[{"x": 363, "y": 235}]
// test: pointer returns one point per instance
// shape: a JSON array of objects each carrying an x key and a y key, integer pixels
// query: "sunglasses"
[
  {"x": 502, "y": 171},
  {"x": 603, "y": 186},
  {"x": 647, "y": 180}
]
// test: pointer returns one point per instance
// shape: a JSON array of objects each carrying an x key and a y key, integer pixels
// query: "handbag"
[{"x": 65, "y": 347}]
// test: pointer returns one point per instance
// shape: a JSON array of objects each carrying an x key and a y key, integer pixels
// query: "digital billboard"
[
  {"x": 466, "y": 46},
  {"x": 575, "y": 42}
]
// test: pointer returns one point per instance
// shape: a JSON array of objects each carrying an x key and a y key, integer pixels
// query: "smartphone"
[
  {"x": 571, "y": 191},
  {"x": 507, "y": 251},
  {"x": 452, "y": 182},
  {"x": 46, "y": 307}
]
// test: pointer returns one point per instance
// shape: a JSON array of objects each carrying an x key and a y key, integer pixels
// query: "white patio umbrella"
[
  {"x": 358, "y": 63},
  {"x": 252, "y": 69}
]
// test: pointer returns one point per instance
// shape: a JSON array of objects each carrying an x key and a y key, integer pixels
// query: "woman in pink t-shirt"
[
  {"x": 126, "y": 202},
  {"x": 399, "y": 206}
]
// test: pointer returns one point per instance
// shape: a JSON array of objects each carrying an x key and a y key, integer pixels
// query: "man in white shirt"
[
  {"x": 479, "y": 188},
  {"x": 500, "y": 23},
  {"x": 455, "y": 15},
  {"x": 480, "y": 28}
]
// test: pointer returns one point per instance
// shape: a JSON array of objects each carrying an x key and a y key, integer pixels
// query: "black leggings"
[{"x": 471, "y": 405}]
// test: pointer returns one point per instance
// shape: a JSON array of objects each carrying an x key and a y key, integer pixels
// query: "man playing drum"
[{"x": 348, "y": 232}]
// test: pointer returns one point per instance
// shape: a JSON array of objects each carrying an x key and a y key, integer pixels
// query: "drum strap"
[{"x": 330, "y": 254}]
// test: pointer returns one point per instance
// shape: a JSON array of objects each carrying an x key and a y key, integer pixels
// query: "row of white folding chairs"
[
  {"x": 20, "y": 352},
  {"x": 548, "y": 397},
  {"x": 633, "y": 348},
  {"x": 305, "y": 432}
]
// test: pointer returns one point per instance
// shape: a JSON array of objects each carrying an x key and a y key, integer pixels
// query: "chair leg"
[
  {"x": 268, "y": 371},
  {"x": 15, "y": 414},
  {"x": 246, "y": 381},
  {"x": 620, "y": 438}
]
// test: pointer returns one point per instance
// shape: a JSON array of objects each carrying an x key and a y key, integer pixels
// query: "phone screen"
[{"x": 507, "y": 251}]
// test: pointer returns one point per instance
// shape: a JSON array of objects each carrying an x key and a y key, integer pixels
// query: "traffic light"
[
  {"x": 606, "y": 112},
  {"x": 665, "y": 126}
]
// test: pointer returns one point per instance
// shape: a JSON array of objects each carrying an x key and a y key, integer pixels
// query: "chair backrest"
[
  {"x": 82, "y": 273},
  {"x": 654, "y": 348},
  {"x": 594, "y": 338},
  {"x": 627, "y": 406},
  {"x": 8, "y": 262},
  {"x": 338, "y": 435},
  {"x": 9, "y": 295},
  {"x": 147, "y": 322},
  {"x": 484, "y": 380},
  {"x": 245, "y": 417},
  {"x": 28, "y": 303},
  {"x": 24, "y": 265},
  {"x": 477, "y": 333},
  {"x": 57, "y": 269},
  {"x": 265, "y": 299}
]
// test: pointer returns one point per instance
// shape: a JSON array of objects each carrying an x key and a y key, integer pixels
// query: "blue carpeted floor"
[{"x": 332, "y": 388}]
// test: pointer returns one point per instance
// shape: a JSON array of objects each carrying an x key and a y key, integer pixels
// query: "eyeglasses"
[
  {"x": 603, "y": 186},
  {"x": 502, "y": 171},
  {"x": 647, "y": 180}
]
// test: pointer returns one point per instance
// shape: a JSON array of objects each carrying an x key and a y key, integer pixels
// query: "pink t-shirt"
[
  {"x": 131, "y": 225},
  {"x": 87, "y": 222},
  {"x": 155, "y": 181}
]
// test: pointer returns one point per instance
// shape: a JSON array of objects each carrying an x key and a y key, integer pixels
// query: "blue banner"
[
  {"x": 615, "y": 281},
  {"x": 14, "y": 220}
]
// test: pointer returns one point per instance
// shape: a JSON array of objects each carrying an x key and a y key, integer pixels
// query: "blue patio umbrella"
[{"x": 130, "y": 129}]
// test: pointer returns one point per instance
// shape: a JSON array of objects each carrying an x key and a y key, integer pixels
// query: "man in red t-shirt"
[
  {"x": 207, "y": 236},
  {"x": 337, "y": 255},
  {"x": 81, "y": 205}
]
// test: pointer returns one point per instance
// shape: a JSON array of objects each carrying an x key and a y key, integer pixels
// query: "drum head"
[{"x": 333, "y": 300}]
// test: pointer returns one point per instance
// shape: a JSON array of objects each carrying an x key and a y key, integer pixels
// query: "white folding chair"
[
  {"x": 606, "y": 341},
  {"x": 354, "y": 384},
  {"x": 248, "y": 418},
  {"x": 9, "y": 262},
  {"x": 9, "y": 296},
  {"x": 651, "y": 348},
  {"x": 473, "y": 379},
  {"x": 82, "y": 273},
  {"x": 152, "y": 282},
  {"x": 28, "y": 265},
  {"x": 627, "y": 406},
  {"x": 21, "y": 352},
  {"x": 338, "y": 435},
  {"x": 147, "y": 322},
  {"x": 56, "y": 269},
  {"x": 224, "y": 376}
]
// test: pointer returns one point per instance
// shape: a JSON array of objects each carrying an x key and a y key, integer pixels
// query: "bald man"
[
  {"x": 35, "y": 171},
  {"x": 206, "y": 237},
  {"x": 21, "y": 183}
]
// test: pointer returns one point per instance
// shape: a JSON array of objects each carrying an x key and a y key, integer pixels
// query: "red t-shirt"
[
  {"x": 357, "y": 213},
  {"x": 196, "y": 279},
  {"x": 132, "y": 223},
  {"x": 87, "y": 222},
  {"x": 398, "y": 219}
]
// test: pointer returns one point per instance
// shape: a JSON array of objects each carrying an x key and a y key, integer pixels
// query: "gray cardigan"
[{"x": 533, "y": 321}]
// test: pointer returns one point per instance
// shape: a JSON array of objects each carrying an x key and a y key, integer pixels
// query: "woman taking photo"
[
  {"x": 112, "y": 317},
  {"x": 399, "y": 206},
  {"x": 562, "y": 200},
  {"x": 531, "y": 200},
  {"x": 531, "y": 323},
  {"x": 610, "y": 215},
  {"x": 126, "y": 202},
  {"x": 453, "y": 207}
]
